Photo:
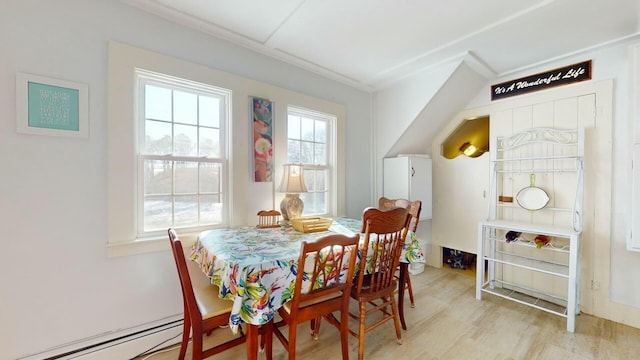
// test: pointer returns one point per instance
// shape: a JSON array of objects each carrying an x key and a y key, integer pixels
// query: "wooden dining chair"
[
  {"x": 204, "y": 311},
  {"x": 374, "y": 284},
  {"x": 414, "y": 211},
  {"x": 268, "y": 219},
  {"x": 326, "y": 265}
]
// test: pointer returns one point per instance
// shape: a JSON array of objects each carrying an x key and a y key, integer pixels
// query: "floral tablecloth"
[{"x": 255, "y": 268}]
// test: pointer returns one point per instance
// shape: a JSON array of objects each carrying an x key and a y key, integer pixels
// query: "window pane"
[
  {"x": 321, "y": 180},
  {"x": 307, "y": 129},
  {"x": 321, "y": 131},
  {"x": 293, "y": 127},
  {"x": 309, "y": 205},
  {"x": 157, "y": 177},
  {"x": 186, "y": 126},
  {"x": 158, "y": 211},
  {"x": 321, "y": 203},
  {"x": 210, "y": 210},
  {"x": 306, "y": 153},
  {"x": 157, "y": 103},
  {"x": 309, "y": 180},
  {"x": 185, "y": 107},
  {"x": 186, "y": 211},
  {"x": 209, "y": 111},
  {"x": 157, "y": 139},
  {"x": 209, "y": 142},
  {"x": 210, "y": 175},
  {"x": 320, "y": 157},
  {"x": 186, "y": 175},
  {"x": 293, "y": 151},
  {"x": 185, "y": 140}
]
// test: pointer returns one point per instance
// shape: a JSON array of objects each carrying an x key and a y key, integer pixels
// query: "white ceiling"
[{"x": 371, "y": 43}]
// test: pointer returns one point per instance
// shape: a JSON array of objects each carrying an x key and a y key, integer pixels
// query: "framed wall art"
[
  {"x": 46, "y": 106},
  {"x": 262, "y": 110}
]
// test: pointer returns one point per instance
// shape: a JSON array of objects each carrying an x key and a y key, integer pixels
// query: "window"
[
  {"x": 310, "y": 142},
  {"x": 181, "y": 154},
  {"x": 191, "y": 180}
]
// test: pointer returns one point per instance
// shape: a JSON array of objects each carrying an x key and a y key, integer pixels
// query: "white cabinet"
[{"x": 409, "y": 177}]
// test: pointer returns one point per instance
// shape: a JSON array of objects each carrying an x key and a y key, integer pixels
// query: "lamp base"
[{"x": 291, "y": 207}]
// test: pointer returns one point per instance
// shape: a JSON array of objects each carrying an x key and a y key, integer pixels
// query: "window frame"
[
  {"x": 145, "y": 77},
  {"x": 331, "y": 152},
  {"x": 121, "y": 137}
]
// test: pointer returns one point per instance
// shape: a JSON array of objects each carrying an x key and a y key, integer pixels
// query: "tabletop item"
[
  {"x": 268, "y": 219},
  {"x": 311, "y": 224}
]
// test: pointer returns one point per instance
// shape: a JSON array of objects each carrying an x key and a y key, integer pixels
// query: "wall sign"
[
  {"x": 556, "y": 77},
  {"x": 51, "y": 107}
]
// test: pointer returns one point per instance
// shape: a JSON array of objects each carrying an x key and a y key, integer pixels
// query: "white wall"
[{"x": 58, "y": 285}]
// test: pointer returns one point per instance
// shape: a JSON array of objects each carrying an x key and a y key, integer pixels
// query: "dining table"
[{"x": 256, "y": 269}]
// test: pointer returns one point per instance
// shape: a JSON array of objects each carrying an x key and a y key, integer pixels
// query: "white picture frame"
[{"x": 52, "y": 107}]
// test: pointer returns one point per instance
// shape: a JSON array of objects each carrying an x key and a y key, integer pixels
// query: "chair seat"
[
  {"x": 319, "y": 299},
  {"x": 209, "y": 303},
  {"x": 366, "y": 294}
]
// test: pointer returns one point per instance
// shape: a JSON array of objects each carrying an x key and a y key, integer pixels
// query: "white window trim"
[
  {"x": 121, "y": 137},
  {"x": 143, "y": 77},
  {"x": 633, "y": 233},
  {"x": 122, "y": 166},
  {"x": 332, "y": 121}
]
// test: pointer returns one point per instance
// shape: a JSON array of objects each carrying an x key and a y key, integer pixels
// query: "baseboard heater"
[{"x": 122, "y": 344}]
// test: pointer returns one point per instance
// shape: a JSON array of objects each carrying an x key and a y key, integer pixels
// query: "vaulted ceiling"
[{"x": 371, "y": 43}]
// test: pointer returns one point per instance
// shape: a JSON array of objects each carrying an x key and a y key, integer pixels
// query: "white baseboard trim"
[{"x": 118, "y": 344}]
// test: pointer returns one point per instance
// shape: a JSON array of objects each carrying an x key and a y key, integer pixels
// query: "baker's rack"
[{"x": 558, "y": 157}]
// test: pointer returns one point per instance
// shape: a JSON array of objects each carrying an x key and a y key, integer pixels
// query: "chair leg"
[
  {"x": 267, "y": 340},
  {"x": 186, "y": 330},
  {"x": 396, "y": 319},
  {"x": 413, "y": 304},
  {"x": 196, "y": 344},
  {"x": 361, "y": 329},
  {"x": 344, "y": 333},
  {"x": 293, "y": 333},
  {"x": 315, "y": 327}
]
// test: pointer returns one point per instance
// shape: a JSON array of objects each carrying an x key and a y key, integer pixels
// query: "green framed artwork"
[{"x": 52, "y": 107}]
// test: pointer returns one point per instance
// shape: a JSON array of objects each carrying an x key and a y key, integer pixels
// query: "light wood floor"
[{"x": 449, "y": 323}]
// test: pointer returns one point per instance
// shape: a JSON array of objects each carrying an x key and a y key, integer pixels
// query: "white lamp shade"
[{"x": 293, "y": 179}]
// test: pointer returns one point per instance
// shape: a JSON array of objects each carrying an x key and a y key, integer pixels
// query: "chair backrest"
[
  {"x": 188, "y": 295},
  {"x": 268, "y": 219},
  {"x": 327, "y": 264},
  {"x": 414, "y": 211},
  {"x": 387, "y": 229}
]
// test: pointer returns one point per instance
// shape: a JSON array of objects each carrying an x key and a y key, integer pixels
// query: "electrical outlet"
[{"x": 595, "y": 285}]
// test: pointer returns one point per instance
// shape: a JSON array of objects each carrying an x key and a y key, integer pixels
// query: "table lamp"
[{"x": 292, "y": 184}]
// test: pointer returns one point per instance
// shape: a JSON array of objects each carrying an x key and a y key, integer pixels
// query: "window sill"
[{"x": 147, "y": 245}]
